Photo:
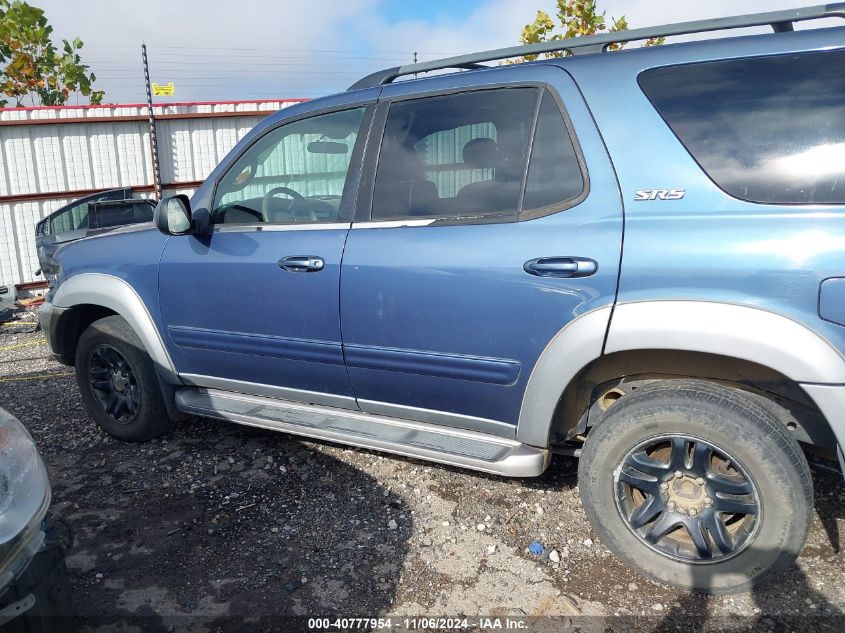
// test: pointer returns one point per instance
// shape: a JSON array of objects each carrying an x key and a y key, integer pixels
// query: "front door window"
[{"x": 292, "y": 175}]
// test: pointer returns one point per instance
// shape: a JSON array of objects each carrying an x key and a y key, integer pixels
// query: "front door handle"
[
  {"x": 302, "y": 264},
  {"x": 561, "y": 267}
]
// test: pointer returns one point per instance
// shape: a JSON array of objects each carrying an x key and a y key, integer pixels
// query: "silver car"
[{"x": 33, "y": 577}]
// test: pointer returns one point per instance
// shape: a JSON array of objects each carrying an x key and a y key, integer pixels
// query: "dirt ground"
[{"x": 217, "y": 525}]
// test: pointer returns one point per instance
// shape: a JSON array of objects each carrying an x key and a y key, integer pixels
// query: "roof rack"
[{"x": 780, "y": 21}]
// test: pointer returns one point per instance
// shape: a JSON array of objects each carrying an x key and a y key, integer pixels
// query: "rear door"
[{"x": 470, "y": 258}]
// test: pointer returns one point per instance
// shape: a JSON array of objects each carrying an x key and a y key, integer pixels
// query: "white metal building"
[{"x": 50, "y": 156}]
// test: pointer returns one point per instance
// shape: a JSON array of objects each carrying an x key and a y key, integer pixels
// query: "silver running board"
[{"x": 457, "y": 447}]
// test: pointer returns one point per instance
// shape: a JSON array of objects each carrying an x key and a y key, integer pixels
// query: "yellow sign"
[{"x": 164, "y": 90}]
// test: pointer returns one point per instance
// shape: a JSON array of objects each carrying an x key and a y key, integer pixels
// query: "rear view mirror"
[
  {"x": 243, "y": 177},
  {"x": 173, "y": 215},
  {"x": 327, "y": 147}
]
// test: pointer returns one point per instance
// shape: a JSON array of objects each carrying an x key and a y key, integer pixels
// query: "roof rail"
[{"x": 780, "y": 21}]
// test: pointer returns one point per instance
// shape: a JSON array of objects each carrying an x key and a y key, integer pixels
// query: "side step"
[{"x": 457, "y": 447}]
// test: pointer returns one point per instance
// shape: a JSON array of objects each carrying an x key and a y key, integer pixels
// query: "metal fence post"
[{"x": 153, "y": 138}]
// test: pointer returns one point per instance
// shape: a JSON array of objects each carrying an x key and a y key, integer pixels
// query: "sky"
[{"x": 275, "y": 49}]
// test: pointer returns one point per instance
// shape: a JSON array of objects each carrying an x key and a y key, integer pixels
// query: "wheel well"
[
  {"x": 613, "y": 376},
  {"x": 73, "y": 323}
]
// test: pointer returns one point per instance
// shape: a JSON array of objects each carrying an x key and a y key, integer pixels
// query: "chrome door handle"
[
  {"x": 561, "y": 267},
  {"x": 302, "y": 264}
]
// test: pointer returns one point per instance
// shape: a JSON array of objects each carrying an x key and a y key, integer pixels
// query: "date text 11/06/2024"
[{"x": 416, "y": 624}]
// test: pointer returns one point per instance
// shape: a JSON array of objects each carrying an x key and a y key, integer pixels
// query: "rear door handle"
[
  {"x": 302, "y": 264},
  {"x": 561, "y": 267}
]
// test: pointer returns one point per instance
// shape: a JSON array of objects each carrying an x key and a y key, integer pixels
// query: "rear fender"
[{"x": 736, "y": 331}]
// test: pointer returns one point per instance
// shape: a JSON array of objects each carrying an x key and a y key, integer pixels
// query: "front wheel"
[
  {"x": 695, "y": 485},
  {"x": 118, "y": 382}
]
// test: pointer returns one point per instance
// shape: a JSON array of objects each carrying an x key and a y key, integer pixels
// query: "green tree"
[
  {"x": 30, "y": 64},
  {"x": 576, "y": 18}
]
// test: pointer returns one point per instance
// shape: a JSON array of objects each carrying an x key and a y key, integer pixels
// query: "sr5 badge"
[{"x": 659, "y": 194}]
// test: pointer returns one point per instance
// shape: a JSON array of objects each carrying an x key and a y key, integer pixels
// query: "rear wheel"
[
  {"x": 118, "y": 382},
  {"x": 689, "y": 482}
]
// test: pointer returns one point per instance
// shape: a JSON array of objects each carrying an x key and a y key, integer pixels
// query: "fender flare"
[
  {"x": 117, "y": 295},
  {"x": 574, "y": 347},
  {"x": 743, "y": 332}
]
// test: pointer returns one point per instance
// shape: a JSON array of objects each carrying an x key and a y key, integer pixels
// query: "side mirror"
[{"x": 173, "y": 215}]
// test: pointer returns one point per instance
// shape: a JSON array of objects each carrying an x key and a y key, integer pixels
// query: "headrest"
[
  {"x": 481, "y": 153},
  {"x": 400, "y": 161}
]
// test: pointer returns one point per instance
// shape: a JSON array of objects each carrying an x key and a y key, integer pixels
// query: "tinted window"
[
  {"x": 554, "y": 173},
  {"x": 293, "y": 174},
  {"x": 768, "y": 130},
  {"x": 71, "y": 219},
  {"x": 455, "y": 155},
  {"x": 109, "y": 214},
  {"x": 75, "y": 217}
]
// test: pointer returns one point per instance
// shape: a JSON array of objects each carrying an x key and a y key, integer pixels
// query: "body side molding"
[
  {"x": 116, "y": 294},
  {"x": 257, "y": 344},
  {"x": 495, "y": 371}
]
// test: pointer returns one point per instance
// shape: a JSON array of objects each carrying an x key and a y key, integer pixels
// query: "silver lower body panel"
[{"x": 456, "y": 447}]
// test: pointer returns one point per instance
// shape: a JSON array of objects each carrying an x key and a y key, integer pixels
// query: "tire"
[
  {"x": 733, "y": 455},
  {"x": 128, "y": 406}
]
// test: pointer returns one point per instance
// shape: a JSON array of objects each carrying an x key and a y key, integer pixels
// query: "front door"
[
  {"x": 473, "y": 257},
  {"x": 253, "y": 305}
]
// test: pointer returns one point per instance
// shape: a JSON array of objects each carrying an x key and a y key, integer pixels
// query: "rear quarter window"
[{"x": 765, "y": 129}]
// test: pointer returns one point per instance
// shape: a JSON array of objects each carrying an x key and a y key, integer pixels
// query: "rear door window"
[
  {"x": 466, "y": 156},
  {"x": 765, "y": 129},
  {"x": 455, "y": 155},
  {"x": 555, "y": 173}
]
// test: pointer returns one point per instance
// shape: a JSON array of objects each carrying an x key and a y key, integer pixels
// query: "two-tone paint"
[{"x": 440, "y": 323}]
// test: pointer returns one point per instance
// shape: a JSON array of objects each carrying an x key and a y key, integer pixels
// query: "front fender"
[{"x": 117, "y": 295}]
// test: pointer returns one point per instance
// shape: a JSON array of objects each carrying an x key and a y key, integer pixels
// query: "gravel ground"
[{"x": 217, "y": 522}]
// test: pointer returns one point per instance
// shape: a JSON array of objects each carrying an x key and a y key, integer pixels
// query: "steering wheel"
[
  {"x": 221, "y": 213},
  {"x": 265, "y": 203}
]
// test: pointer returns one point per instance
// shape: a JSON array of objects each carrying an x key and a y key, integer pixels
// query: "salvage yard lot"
[{"x": 220, "y": 520}]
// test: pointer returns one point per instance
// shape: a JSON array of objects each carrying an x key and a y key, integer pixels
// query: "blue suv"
[{"x": 636, "y": 258}]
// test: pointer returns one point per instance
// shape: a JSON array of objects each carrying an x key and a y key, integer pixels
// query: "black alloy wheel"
[
  {"x": 697, "y": 484},
  {"x": 118, "y": 382},
  {"x": 687, "y": 498},
  {"x": 114, "y": 384}
]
